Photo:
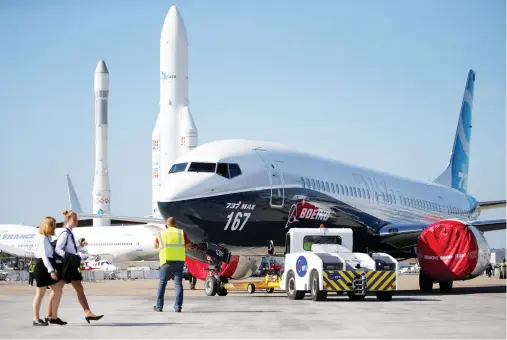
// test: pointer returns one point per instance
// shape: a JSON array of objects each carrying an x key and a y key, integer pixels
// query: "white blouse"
[{"x": 44, "y": 251}]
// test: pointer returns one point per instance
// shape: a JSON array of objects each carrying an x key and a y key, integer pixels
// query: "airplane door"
[{"x": 275, "y": 176}]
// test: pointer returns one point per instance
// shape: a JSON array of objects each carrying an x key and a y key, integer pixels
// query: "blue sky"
[{"x": 374, "y": 83}]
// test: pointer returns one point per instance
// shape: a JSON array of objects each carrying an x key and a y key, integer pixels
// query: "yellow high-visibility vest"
[{"x": 171, "y": 245}]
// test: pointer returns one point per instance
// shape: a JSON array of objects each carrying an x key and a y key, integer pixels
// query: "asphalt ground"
[{"x": 475, "y": 309}]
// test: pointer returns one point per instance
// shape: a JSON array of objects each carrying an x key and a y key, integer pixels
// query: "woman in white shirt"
[
  {"x": 66, "y": 243},
  {"x": 45, "y": 274}
]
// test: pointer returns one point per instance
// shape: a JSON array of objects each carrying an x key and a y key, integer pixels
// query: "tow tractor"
[{"x": 320, "y": 261}]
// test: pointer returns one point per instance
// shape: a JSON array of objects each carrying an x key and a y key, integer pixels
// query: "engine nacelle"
[
  {"x": 450, "y": 250},
  {"x": 239, "y": 267}
]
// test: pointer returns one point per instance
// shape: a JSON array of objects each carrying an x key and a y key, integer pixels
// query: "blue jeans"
[{"x": 175, "y": 268}]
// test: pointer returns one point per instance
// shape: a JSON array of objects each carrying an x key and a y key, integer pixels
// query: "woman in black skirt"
[{"x": 45, "y": 273}]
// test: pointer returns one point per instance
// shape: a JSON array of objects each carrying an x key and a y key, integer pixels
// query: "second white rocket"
[
  {"x": 101, "y": 190},
  {"x": 175, "y": 132}
]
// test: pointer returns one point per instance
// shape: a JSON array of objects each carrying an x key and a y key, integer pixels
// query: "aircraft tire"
[
  {"x": 425, "y": 282},
  {"x": 210, "y": 286},
  {"x": 445, "y": 286},
  {"x": 222, "y": 292}
]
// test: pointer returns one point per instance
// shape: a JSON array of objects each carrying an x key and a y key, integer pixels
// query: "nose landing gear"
[{"x": 214, "y": 283}]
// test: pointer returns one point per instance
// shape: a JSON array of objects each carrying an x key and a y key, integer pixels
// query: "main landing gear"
[
  {"x": 426, "y": 284},
  {"x": 214, "y": 283}
]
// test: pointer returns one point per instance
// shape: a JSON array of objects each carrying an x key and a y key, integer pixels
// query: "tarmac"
[{"x": 476, "y": 309}]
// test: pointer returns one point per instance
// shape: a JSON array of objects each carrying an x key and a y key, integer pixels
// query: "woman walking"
[{"x": 46, "y": 275}]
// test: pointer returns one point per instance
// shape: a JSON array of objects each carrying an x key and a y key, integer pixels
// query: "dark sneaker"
[
  {"x": 57, "y": 321},
  {"x": 156, "y": 309},
  {"x": 177, "y": 310}
]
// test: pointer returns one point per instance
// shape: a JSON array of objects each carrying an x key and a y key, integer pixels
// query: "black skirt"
[
  {"x": 70, "y": 274},
  {"x": 41, "y": 275}
]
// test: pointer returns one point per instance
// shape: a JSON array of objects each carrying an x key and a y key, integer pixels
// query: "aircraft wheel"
[
  {"x": 210, "y": 286},
  {"x": 425, "y": 282},
  {"x": 251, "y": 288},
  {"x": 354, "y": 297},
  {"x": 222, "y": 292},
  {"x": 317, "y": 295},
  {"x": 384, "y": 296},
  {"x": 445, "y": 286},
  {"x": 292, "y": 293}
]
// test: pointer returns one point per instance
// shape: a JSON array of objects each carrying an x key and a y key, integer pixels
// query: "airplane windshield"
[
  {"x": 309, "y": 240},
  {"x": 179, "y": 167},
  {"x": 202, "y": 167}
]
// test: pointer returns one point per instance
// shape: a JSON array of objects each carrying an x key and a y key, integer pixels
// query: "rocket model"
[
  {"x": 101, "y": 190},
  {"x": 175, "y": 132}
]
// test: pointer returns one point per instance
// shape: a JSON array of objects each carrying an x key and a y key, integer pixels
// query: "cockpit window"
[
  {"x": 201, "y": 167},
  {"x": 223, "y": 170},
  {"x": 228, "y": 170},
  {"x": 179, "y": 167},
  {"x": 309, "y": 240},
  {"x": 234, "y": 170}
]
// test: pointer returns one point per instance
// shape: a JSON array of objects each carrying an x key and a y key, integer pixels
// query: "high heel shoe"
[{"x": 94, "y": 318}]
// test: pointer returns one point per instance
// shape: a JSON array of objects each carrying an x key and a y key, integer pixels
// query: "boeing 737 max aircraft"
[{"x": 242, "y": 194}]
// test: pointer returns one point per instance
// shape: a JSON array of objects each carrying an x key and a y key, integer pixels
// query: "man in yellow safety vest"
[{"x": 171, "y": 243}]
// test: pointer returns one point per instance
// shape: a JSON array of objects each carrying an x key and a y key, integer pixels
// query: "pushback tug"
[{"x": 320, "y": 261}]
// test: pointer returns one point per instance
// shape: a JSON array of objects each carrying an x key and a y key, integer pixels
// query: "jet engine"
[
  {"x": 239, "y": 266},
  {"x": 450, "y": 250}
]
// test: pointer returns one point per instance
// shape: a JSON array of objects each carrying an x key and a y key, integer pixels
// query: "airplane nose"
[{"x": 181, "y": 186}]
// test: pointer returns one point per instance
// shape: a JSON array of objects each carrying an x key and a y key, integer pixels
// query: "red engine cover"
[
  {"x": 447, "y": 250},
  {"x": 199, "y": 270}
]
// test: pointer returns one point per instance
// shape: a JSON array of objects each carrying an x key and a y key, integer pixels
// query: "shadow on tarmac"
[
  {"x": 455, "y": 291},
  {"x": 135, "y": 324}
]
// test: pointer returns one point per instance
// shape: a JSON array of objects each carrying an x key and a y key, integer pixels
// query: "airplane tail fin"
[
  {"x": 73, "y": 200},
  {"x": 456, "y": 173}
]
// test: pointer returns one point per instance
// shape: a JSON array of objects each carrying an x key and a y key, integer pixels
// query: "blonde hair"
[
  {"x": 47, "y": 226},
  {"x": 68, "y": 214}
]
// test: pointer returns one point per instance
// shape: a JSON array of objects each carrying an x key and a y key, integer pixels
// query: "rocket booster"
[
  {"x": 101, "y": 190},
  {"x": 175, "y": 131}
]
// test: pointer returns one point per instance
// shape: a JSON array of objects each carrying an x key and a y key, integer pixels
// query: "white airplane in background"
[
  {"x": 120, "y": 243},
  {"x": 233, "y": 197}
]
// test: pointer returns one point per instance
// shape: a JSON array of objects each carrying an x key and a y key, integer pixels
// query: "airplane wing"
[
  {"x": 75, "y": 206},
  {"x": 395, "y": 229},
  {"x": 486, "y": 205},
  {"x": 15, "y": 251},
  {"x": 154, "y": 220}
]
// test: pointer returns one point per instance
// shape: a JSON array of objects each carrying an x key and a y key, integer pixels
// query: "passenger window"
[
  {"x": 202, "y": 167},
  {"x": 179, "y": 167},
  {"x": 234, "y": 170},
  {"x": 302, "y": 182},
  {"x": 327, "y": 187},
  {"x": 223, "y": 170},
  {"x": 307, "y": 182}
]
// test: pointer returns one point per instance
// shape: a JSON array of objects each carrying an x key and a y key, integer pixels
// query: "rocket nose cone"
[
  {"x": 101, "y": 67},
  {"x": 173, "y": 22}
]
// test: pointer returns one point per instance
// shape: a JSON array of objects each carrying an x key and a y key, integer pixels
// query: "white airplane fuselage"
[{"x": 122, "y": 243}]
